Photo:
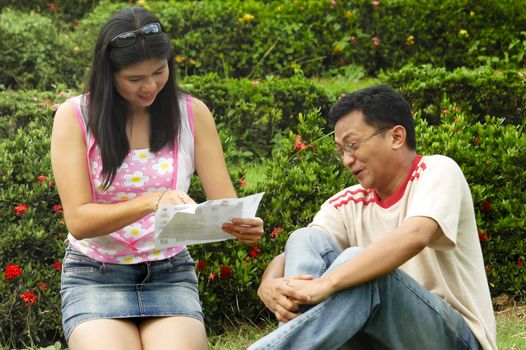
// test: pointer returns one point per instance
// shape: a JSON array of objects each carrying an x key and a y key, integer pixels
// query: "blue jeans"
[{"x": 391, "y": 312}]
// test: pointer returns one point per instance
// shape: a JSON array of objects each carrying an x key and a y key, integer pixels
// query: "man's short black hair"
[{"x": 382, "y": 107}]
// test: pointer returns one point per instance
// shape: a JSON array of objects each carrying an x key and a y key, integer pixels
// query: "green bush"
[
  {"x": 272, "y": 37},
  {"x": 478, "y": 92},
  {"x": 32, "y": 224},
  {"x": 276, "y": 37},
  {"x": 36, "y": 51},
  {"x": 301, "y": 174},
  {"x": 493, "y": 158},
  {"x": 259, "y": 107},
  {"x": 254, "y": 39},
  {"x": 33, "y": 234},
  {"x": 444, "y": 33},
  {"x": 66, "y": 10}
]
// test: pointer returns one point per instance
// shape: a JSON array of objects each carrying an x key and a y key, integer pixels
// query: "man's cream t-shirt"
[{"x": 451, "y": 267}]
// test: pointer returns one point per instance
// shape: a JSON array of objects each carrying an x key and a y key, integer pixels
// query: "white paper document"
[{"x": 177, "y": 225}]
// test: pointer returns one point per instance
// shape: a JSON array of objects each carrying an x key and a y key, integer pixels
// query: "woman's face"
[{"x": 140, "y": 83}]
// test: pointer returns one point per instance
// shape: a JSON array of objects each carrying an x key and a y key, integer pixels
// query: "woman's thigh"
[
  {"x": 105, "y": 334},
  {"x": 181, "y": 333}
]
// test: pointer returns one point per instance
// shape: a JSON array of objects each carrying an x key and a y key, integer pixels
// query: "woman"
[{"x": 119, "y": 152}]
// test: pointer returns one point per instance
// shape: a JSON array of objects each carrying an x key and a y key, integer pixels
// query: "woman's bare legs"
[
  {"x": 115, "y": 334},
  {"x": 181, "y": 333}
]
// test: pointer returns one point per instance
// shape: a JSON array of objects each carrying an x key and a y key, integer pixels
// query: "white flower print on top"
[
  {"x": 123, "y": 196},
  {"x": 164, "y": 165},
  {"x": 94, "y": 165},
  {"x": 145, "y": 245},
  {"x": 133, "y": 230},
  {"x": 140, "y": 171},
  {"x": 83, "y": 247},
  {"x": 129, "y": 259},
  {"x": 106, "y": 251},
  {"x": 142, "y": 155},
  {"x": 136, "y": 179},
  {"x": 156, "y": 255}
]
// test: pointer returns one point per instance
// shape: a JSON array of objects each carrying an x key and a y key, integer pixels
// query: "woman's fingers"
[{"x": 247, "y": 230}]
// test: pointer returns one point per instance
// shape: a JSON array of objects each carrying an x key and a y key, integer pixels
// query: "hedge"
[
  {"x": 479, "y": 92},
  {"x": 302, "y": 173},
  {"x": 255, "y": 39}
]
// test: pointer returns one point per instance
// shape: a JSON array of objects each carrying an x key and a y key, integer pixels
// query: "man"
[{"x": 391, "y": 263}]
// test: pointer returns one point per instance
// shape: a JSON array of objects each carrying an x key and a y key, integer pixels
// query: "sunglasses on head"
[{"x": 128, "y": 38}]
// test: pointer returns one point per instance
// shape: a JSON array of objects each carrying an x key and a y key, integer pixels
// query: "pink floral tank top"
[{"x": 141, "y": 171}]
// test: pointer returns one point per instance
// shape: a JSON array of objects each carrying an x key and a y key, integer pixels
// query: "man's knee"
[
  {"x": 306, "y": 236},
  {"x": 346, "y": 255}
]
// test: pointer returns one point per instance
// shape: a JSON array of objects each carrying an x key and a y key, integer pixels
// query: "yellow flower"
[
  {"x": 76, "y": 49},
  {"x": 141, "y": 2},
  {"x": 348, "y": 14},
  {"x": 410, "y": 40},
  {"x": 463, "y": 33},
  {"x": 192, "y": 61},
  {"x": 247, "y": 17},
  {"x": 337, "y": 48},
  {"x": 471, "y": 14},
  {"x": 179, "y": 58}
]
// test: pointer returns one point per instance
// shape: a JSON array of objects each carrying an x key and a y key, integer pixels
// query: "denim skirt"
[{"x": 91, "y": 289}]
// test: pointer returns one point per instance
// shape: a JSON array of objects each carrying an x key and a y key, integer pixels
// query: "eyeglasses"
[
  {"x": 349, "y": 148},
  {"x": 128, "y": 38}
]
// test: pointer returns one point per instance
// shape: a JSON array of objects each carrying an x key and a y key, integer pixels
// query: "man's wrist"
[{"x": 329, "y": 283}]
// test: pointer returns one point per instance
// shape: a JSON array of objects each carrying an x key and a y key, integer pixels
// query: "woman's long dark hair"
[{"x": 108, "y": 112}]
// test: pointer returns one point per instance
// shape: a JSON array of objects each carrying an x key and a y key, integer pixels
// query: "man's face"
[{"x": 365, "y": 150}]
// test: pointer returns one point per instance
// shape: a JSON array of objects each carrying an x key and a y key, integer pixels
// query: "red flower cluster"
[
  {"x": 58, "y": 208},
  {"x": 52, "y": 6},
  {"x": 275, "y": 231},
  {"x": 520, "y": 262},
  {"x": 57, "y": 265},
  {"x": 29, "y": 298},
  {"x": 212, "y": 276},
  {"x": 243, "y": 183},
  {"x": 483, "y": 235},
  {"x": 254, "y": 252},
  {"x": 42, "y": 178},
  {"x": 12, "y": 271},
  {"x": 20, "y": 209},
  {"x": 200, "y": 265},
  {"x": 486, "y": 206},
  {"x": 298, "y": 144},
  {"x": 225, "y": 271}
]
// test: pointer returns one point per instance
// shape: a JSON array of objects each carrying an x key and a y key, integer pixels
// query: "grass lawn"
[
  {"x": 511, "y": 332},
  {"x": 511, "y": 328}
]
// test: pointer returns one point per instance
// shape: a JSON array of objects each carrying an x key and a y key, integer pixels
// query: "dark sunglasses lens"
[
  {"x": 123, "y": 40},
  {"x": 150, "y": 29},
  {"x": 128, "y": 38}
]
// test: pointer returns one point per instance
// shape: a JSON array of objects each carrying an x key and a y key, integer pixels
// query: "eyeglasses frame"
[{"x": 350, "y": 148}]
